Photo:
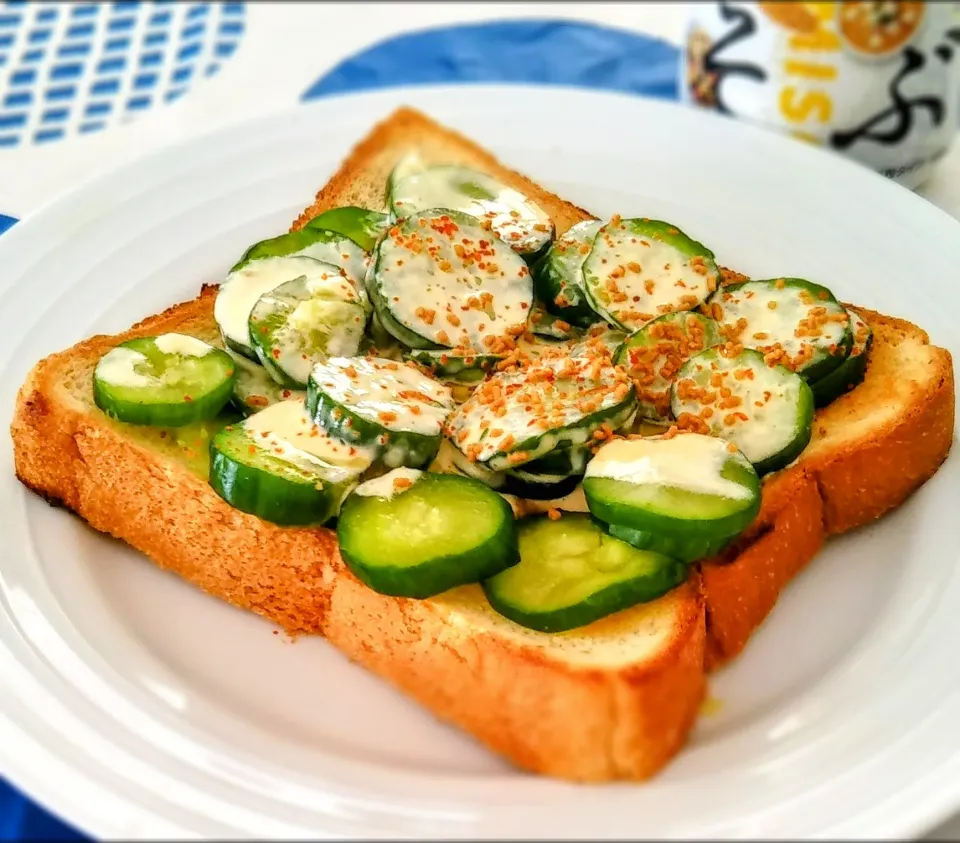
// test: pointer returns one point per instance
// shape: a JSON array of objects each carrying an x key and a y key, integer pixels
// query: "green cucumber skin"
[
  {"x": 241, "y": 349},
  {"x": 841, "y": 380},
  {"x": 607, "y": 601},
  {"x": 274, "y": 499},
  {"x": 343, "y": 424},
  {"x": 617, "y": 415},
  {"x": 822, "y": 364},
  {"x": 686, "y": 549},
  {"x": 663, "y": 231},
  {"x": 441, "y": 574},
  {"x": 601, "y": 497},
  {"x": 549, "y": 283},
  {"x": 285, "y": 244},
  {"x": 530, "y": 490},
  {"x": 361, "y": 226},
  {"x": 165, "y": 415}
]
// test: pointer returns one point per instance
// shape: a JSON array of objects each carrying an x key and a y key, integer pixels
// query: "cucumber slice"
[
  {"x": 561, "y": 461},
  {"x": 549, "y": 326},
  {"x": 538, "y": 487},
  {"x": 363, "y": 227},
  {"x": 851, "y": 371},
  {"x": 440, "y": 279},
  {"x": 320, "y": 244},
  {"x": 766, "y": 411},
  {"x": 639, "y": 269},
  {"x": 558, "y": 275},
  {"x": 601, "y": 340},
  {"x": 686, "y": 486},
  {"x": 389, "y": 406},
  {"x": 450, "y": 460},
  {"x": 417, "y": 534},
  {"x": 280, "y": 467},
  {"x": 789, "y": 320},
  {"x": 517, "y": 221},
  {"x": 653, "y": 355},
  {"x": 682, "y": 548},
  {"x": 242, "y": 290},
  {"x": 304, "y": 321},
  {"x": 253, "y": 389},
  {"x": 571, "y": 573},
  {"x": 450, "y": 365},
  {"x": 515, "y": 417},
  {"x": 169, "y": 380}
]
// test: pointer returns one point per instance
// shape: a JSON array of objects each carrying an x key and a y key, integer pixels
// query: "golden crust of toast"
[{"x": 613, "y": 700}]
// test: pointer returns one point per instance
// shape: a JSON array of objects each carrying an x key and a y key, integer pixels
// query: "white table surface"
[{"x": 31, "y": 176}]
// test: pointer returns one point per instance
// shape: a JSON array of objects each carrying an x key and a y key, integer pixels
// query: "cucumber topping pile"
[
  {"x": 414, "y": 188},
  {"x": 320, "y": 244},
  {"x": 558, "y": 276},
  {"x": 378, "y": 403},
  {"x": 684, "y": 496},
  {"x": 441, "y": 279},
  {"x": 396, "y": 369},
  {"x": 516, "y": 417},
  {"x": 639, "y": 269},
  {"x": 304, "y": 321},
  {"x": 169, "y": 380},
  {"x": 572, "y": 573},
  {"x": 654, "y": 354},
  {"x": 363, "y": 227},
  {"x": 851, "y": 371},
  {"x": 278, "y": 466},
  {"x": 241, "y": 291},
  {"x": 415, "y": 534},
  {"x": 766, "y": 411},
  {"x": 792, "y": 322}
]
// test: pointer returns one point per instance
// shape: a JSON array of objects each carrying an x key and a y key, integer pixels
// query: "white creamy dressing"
[
  {"x": 664, "y": 283},
  {"x": 118, "y": 368},
  {"x": 691, "y": 462},
  {"x": 285, "y": 430},
  {"x": 369, "y": 386},
  {"x": 253, "y": 382},
  {"x": 182, "y": 344},
  {"x": 489, "y": 431},
  {"x": 519, "y": 222},
  {"x": 777, "y": 324},
  {"x": 385, "y": 487},
  {"x": 446, "y": 298},
  {"x": 344, "y": 254},
  {"x": 242, "y": 288},
  {"x": 770, "y": 427}
]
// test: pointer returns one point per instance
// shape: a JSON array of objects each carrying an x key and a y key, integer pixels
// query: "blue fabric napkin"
[{"x": 557, "y": 52}]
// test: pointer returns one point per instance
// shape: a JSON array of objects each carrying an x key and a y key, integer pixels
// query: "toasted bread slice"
[{"x": 612, "y": 700}]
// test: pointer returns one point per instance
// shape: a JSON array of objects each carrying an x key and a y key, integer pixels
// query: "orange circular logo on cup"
[{"x": 879, "y": 28}]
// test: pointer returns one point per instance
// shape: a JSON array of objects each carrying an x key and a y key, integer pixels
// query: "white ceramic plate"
[{"x": 135, "y": 705}]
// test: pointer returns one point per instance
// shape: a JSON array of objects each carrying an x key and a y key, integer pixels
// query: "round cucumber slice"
[
  {"x": 373, "y": 402},
  {"x": 417, "y": 534},
  {"x": 851, "y": 371},
  {"x": 790, "y": 321},
  {"x": 241, "y": 291},
  {"x": 682, "y": 548},
  {"x": 442, "y": 280},
  {"x": 169, "y": 380},
  {"x": 363, "y": 227},
  {"x": 558, "y": 275},
  {"x": 572, "y": 573},
  {"x": 639, "y": 269},
  {"x": 685, "y": 486},
  {"x": 254, "y": 389},
  {"x": 654, "y": 354},
  {"x": 414, "y": 188},
  {"x": 551, "y": 327},
  {"x": 304, "y": 321},
  {"x": 278, "y": 466},
  {"x": 766, "y": 411},
  {"x": 517, "y": 416},
  {"x": 313, "y": 242}
]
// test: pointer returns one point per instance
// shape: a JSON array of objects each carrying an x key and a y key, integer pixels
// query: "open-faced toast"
[{"x": 615, "y": 699}]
